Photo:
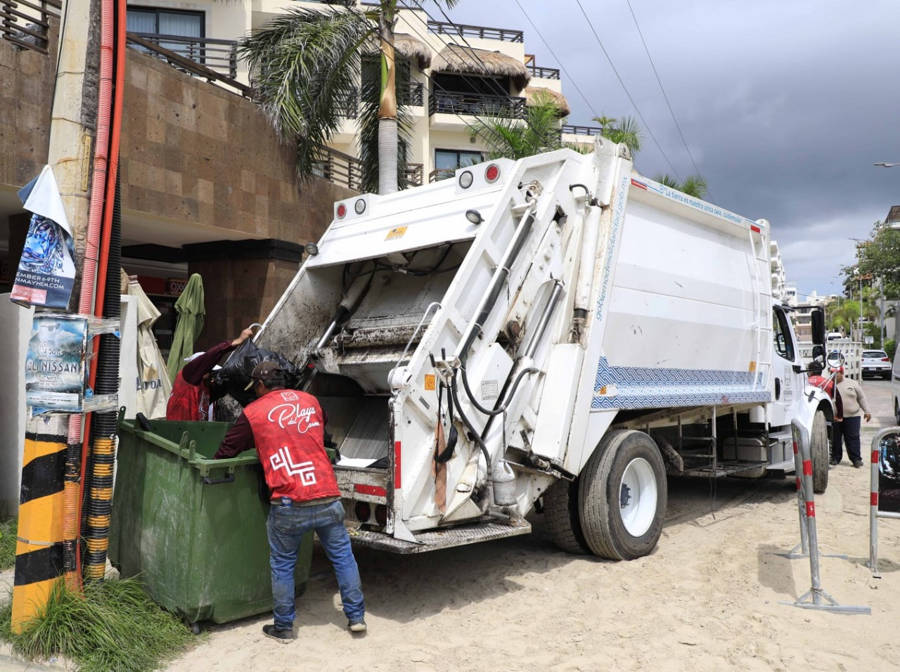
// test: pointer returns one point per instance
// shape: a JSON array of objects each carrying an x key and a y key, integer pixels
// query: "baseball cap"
[{"x": 263, "y": 372}]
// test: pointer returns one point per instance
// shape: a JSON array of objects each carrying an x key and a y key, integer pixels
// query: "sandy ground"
[{"x": 714, "y": 595}]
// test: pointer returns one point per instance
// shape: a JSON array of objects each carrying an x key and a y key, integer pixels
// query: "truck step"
[
  {"x": 437, "y": 539},
  {"x": 723, "y": 468}
]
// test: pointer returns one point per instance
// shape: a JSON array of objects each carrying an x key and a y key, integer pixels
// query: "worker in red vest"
[
  {"x": 288, "y": 429},
  {"x": 190, "y": 398}
]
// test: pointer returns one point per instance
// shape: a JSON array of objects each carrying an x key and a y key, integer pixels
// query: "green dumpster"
[{"x": 192, "y": 528}]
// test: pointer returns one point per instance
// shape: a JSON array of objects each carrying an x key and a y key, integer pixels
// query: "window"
[
  {"x": 451, "y": 159},
  {"x": 782, "y": 333},
  {"x": 183, "y": 24}
]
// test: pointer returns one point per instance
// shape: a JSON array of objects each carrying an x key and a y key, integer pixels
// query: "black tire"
[
  {"x": 601, "y": 491},
  {"x": 561, "y": 515},
  {"x": 897, "y": 412},
  {"x": 820, "y": 449}
]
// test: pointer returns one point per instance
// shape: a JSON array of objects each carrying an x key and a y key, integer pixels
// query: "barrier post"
[
  {"x": 873, "y": 506},
  {"x": 803, "y": 546},
  {"x": 816, "y": 597}
]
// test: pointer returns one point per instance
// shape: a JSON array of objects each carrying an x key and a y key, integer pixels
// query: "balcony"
[
  {"x": 441, "y": 174},
  {"x": 544, "y": 73},
  {"x": 217, "y": 55},
  {"x": 413, "y": 94},
  {"x": 476, "y": 104},
  {"x": 26, "y": 23},
  {"x": 339, "y": 168},
  {"x": 570, "y": 129},
  {"x": 414, "y": 173},
  {"x": 462, "y": 30}
]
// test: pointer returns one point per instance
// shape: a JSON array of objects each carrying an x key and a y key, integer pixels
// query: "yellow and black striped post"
[
  {"x": 40, "y": 547},
  {"x": 99, "y": 507}
]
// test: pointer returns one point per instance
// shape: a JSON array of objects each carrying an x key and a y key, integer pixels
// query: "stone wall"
[
  {"x": 195, "y": 153},
  {"x": 26, "y": 96}
]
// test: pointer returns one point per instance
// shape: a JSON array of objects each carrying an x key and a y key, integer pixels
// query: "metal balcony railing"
[
  {"x": 476, "y": 104},
  {"x": 185, "y": 64},
  {"x": 545, "y": 73},
  {"x": 463, "y": 30},
  {"x": 217, "y": 55},
  {"x": 441, "y": 174},
  {"x": 413, "y": 95},
  {"x": 26, "y": 23},
  {"x": 339, "y": 168},
  {"x": 571, "y": 129},
  {"x": 414, "y": 172}
]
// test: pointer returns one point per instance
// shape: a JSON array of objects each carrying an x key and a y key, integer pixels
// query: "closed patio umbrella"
[
  {"x": 153, "y": 385},
  {"x": 191, "y": 315}
]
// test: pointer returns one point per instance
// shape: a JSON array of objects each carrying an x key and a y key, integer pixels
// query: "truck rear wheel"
[
  {"x": 563, "y": 523},
  {"x": 821, "y": 452},
  {"x": 622, "y": 496}
]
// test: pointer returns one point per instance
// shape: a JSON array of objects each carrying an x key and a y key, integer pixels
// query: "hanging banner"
[
  {"x": 46, "y": 272},
  {"x": 54, "y": 363}
]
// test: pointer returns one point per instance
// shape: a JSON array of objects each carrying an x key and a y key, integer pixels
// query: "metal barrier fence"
[
  {"x": 26, "y": 23},
  {"x": 851, "y": 350}
]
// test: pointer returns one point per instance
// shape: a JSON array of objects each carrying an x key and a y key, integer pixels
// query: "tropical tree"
[
  {"x": 693, "y": 185},
  {"x": 305, "y": 65},
  {"x": 509, "y": 138},
  {"x": 627, "y": 131}
]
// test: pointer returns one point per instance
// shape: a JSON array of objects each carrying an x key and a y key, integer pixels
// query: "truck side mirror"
[
  {"x": 818, "y": 353},
  {"x": 817, "y": 317}
]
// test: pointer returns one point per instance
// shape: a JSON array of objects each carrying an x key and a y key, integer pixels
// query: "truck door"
[{"x": 787, "y": 382}]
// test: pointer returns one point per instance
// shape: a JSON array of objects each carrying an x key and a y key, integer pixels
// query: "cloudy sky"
[{"x": 785, "y": 105}]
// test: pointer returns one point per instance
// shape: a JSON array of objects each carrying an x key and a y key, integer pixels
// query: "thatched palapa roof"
[
  {"x": 413, "y": 48},
  {"x": 533, "y": 93},
  {"x": 467, "y": 60}
]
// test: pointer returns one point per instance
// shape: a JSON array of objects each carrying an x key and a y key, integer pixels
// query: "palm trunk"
[{"x": 387, "y": 107}]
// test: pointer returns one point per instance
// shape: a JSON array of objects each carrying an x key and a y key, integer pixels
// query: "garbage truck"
[{"x": 555, "y": 334}]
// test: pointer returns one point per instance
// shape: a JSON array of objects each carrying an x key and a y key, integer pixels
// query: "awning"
[
  {"x": 468, "y": 60},
  {"x": 533, "y": 93},
  {"x": 413, "y": 48}
]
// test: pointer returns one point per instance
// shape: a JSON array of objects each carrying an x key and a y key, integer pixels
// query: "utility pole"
[{"x": 47, "y": 528}]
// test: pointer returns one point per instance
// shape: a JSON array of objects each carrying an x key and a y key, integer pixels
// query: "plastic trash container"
[{"x": 193, "y": 529}]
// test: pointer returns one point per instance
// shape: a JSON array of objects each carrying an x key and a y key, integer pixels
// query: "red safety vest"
[
  {"x": 186, "y": 401},
  {"x": 289, "y": 433}
]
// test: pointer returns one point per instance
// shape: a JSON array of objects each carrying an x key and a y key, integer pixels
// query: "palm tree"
[
  {"x": 627, "y": 132},
  {"x": 305, "y": 66},
  {"x": 693, "y": 185},
  {"x": 511, "y": 139}
]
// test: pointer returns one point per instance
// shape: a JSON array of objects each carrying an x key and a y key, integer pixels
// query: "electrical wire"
[
  {"x": 662, "y": 89},
  {"x": 625, "y": 89}
]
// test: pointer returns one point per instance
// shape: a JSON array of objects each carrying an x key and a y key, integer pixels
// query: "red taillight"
[
  {"x": 341, "y": 211},
  {"x": 885, "y": 359},
  {"x": 492, "y": 172}
]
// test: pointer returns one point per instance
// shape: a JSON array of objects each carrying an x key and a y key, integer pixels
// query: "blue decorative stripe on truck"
[{"x": 620, "y": 387}]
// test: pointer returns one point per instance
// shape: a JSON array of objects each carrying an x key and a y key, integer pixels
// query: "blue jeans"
[{"x": 286, "y": 525}]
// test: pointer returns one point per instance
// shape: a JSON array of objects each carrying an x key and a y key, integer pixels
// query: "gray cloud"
[{"x": 785, "y": 105}]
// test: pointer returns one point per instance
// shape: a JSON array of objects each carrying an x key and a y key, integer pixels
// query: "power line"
[
  {"x": 661, "y": 87},
  {"x": 558, "y": 60},
  {"x": 624, "y": 88}
]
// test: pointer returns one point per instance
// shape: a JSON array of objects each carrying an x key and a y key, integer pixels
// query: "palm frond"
[
  {"x": 515, "y": 138},
  {"x": 303, "y": 69}
]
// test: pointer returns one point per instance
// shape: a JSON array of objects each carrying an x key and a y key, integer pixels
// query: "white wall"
[{"x": 15, "y": 328}]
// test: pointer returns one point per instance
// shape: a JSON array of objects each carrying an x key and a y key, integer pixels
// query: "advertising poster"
[
  {"x": 46, "y": 271},
  {"x": 54, "y": 363}
]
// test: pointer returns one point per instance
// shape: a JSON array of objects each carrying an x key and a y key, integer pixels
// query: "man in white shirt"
[{"x": 851, "y": 407}]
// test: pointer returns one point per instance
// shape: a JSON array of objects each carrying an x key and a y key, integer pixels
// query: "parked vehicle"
[
  {"x": 557, "y": 333},
  {"x": 876, "y": 363}
]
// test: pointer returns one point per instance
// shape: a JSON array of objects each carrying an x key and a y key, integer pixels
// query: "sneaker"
[
  {"x": 283, "y": 635},
  {"x": 357, "y": 626},
  {"x": 857, "y": 463}
]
